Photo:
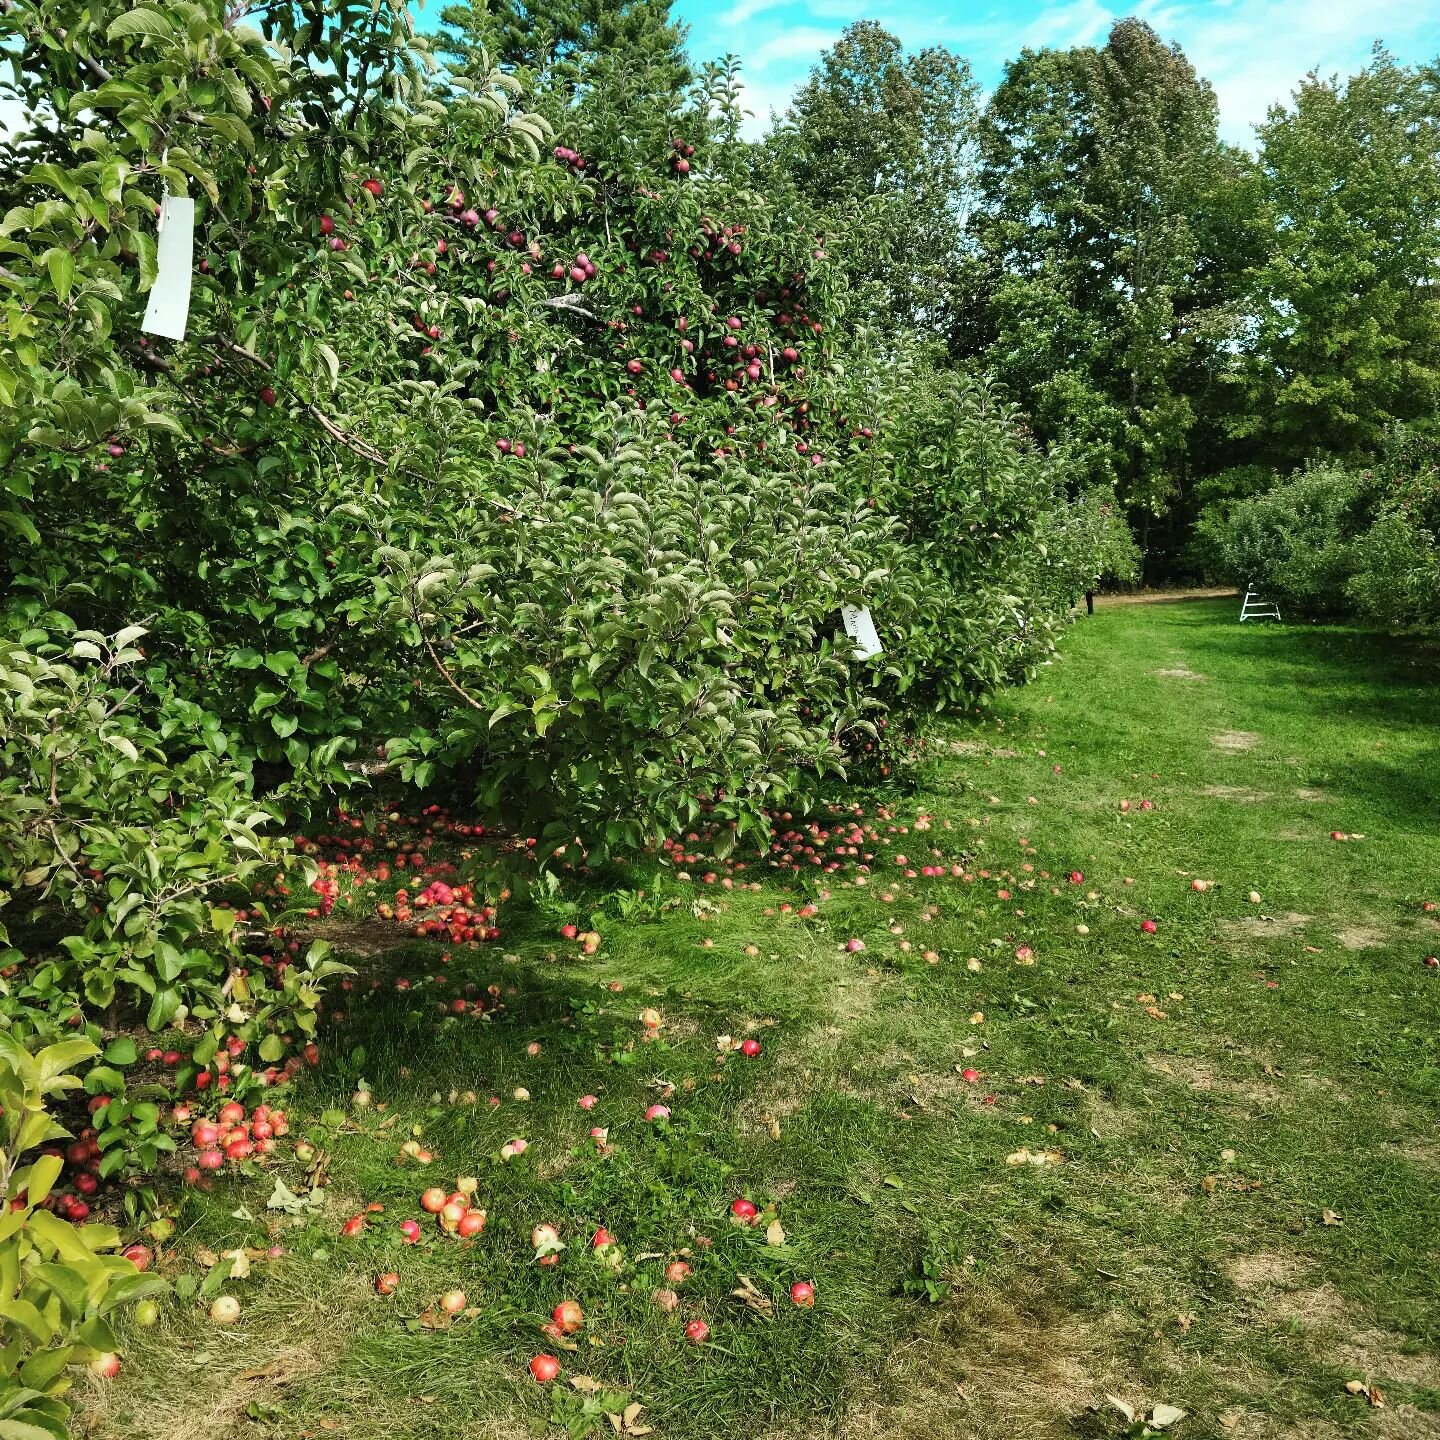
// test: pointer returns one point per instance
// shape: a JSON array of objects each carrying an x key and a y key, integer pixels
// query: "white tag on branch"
[
  {"x": 861, "y": 629},
  {"x": 169, "y": 306}
]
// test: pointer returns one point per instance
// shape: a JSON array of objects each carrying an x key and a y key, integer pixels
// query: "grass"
[{"x": 1198, "y": 1168}]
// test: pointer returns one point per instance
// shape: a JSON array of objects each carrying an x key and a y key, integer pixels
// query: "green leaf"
[
  {"x": 143, "y": 22},
  {"x": 61, "y": 265},
  {"x": 41, "y": 1178},
  {"x": 121, "y": 1051}
]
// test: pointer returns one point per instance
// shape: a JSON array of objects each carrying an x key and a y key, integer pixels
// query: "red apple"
[{"x": 544, "y": 1368}]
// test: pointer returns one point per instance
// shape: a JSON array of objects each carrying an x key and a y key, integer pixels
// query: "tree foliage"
[
  {"x": 1112, "y": 229},
  {"x": 883, "y": 144},
  {"x": 1346, "y": 337},
  {"x": 537, "y": 470}
]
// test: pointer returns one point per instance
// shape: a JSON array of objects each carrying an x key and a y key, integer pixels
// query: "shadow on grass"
[{"x": 1326, "y": 677}]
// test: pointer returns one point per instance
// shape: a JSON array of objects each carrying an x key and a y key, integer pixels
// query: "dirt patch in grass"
[
  {"x": 1264, "y": 1271},
  {"x": 1405, "y": 1422},
  {"x": 219, "y": 1405},
  {"x": 1241, "y": 793},
  {"x": 992, "y": 1369},
  {"x": 357, "y": 937},
  {"x": 1321, "y": 1305},
  {"x": 1305, "y": 793},
  {"x": 1108, "y": 1120},
  {"x": 1198, "y": 1076},
  {"x": 1235, "y": 740},
  {"x": 1422, "y": 1153},
  {"x": 1378, "y": 1356},
  {"x": 1179, "y": 672},
  {"x": 1362, "y": 936},
  {"x": 978, "y": 747},
  {"x": 1264, "y": 927},
  {"x": 1165, "y": 597}
]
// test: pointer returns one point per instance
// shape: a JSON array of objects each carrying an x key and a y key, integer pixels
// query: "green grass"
[{"x": 1206, "y": 1099}]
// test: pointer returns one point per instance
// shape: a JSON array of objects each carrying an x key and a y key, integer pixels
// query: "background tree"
[
  {"x": 883, "y": 143},
  {"x": 1112, "y": 229},
  {"x": 617, "y": 66},
  {"x": 1346, "y": 336}
]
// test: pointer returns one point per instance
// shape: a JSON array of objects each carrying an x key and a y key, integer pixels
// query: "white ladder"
[{"x": 1253, "y": 607}]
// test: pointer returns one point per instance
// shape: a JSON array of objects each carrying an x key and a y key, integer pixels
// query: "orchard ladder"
[{"x": 1253, "y": 607}]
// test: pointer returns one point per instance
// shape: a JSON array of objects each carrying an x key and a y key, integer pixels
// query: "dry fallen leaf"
[
  {"x": 774, "y": 1233},
  {"x": 1329, "y": 1217},
  {"x": 749, "y": 1296},
  {"x": 1164, "y": 1416},
  {"x": 586, "y": 1384},
  {"x": 239, "y": 1264},
  {"x": 625, "y": 1425},
  {"x": 1035, "y": 1157}
]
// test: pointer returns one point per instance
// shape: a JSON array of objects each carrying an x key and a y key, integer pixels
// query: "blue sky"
[{"x": 1252, "y": 51}]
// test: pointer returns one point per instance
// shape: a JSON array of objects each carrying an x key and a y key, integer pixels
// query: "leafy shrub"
[
  {"x": 1294, "y": 542},
  {"x": 995, "y": 551},
  {"x": 1396, "y": 562},
  {"x": 100, "y": 824},
  {"x": 1338, "y": 541},
  {"x": 58, "y": 1286},
  {"x": 659, "y": 633}
]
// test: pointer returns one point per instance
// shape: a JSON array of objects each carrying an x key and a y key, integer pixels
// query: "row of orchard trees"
[
  {"x": 536, "y": 449},
  {"x": 525, "y": 429},
  {"x": 547, "y": 447}
]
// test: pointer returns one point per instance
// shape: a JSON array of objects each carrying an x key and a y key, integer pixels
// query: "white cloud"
[
  {"x": 804, "y": 42},
  {"x": 743, "y": 11},
  {"x": 761, "y": 99},
  {"x": 1082, "y": 22},
  {"x": 1254, "y": 52}
]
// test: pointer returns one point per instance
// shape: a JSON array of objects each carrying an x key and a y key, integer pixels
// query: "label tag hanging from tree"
[
  {"x": 169, "y": 306},
  {"x": 861, "y": 629}
]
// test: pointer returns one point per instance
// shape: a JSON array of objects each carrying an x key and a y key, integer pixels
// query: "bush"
[
  {"x": 547, "y": 472},
  {"x": 1294, "y": 542},
  {"x": 995, "y": 551},
  {"x": 1335, "y": 541},
  {"x": 59, "y": 1287},
  {"x": 126, "y": 842}
]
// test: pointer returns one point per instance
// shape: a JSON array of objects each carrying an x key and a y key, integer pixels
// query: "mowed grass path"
[{"x": 1197, "y": 1168}]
